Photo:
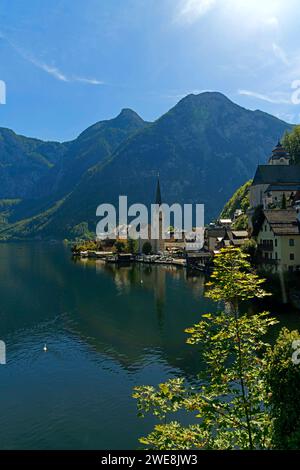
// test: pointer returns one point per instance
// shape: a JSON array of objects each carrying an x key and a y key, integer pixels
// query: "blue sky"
[{"x": 70, "y": 63}]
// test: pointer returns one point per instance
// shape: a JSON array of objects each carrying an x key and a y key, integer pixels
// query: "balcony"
[{"x": 269, "y": 247}]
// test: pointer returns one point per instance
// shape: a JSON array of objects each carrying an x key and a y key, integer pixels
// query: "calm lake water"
[{"x": 107, "y": 330}]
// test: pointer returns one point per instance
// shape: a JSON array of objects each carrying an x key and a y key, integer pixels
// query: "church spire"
[{"x": 158, "y": 193}]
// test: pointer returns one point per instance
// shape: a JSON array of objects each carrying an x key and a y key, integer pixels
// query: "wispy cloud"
[
  {"x": 280, "y": 53},
  {"x": 90, "y": 81},
  {"x": 275, "y": 98},
  {"x": 189, "y": 11},
  {"x": 50, "y": 69},
  {"x": 58, "y": 74}
]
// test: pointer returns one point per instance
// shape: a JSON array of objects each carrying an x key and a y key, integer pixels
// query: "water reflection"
[{"x": 107, "y": 329}]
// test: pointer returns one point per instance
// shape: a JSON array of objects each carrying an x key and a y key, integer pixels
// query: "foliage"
[
  {"x": 229, "y": 395},
  {"x": 241, "y": 223},
  {"x": 120, "y": 246},
  {"x": 291, "y": 142},
  {"x": 81, "y": 232},
  {"x": 240, "y": 200},
  {"x": 147, "y": 248},
  {"x": 131, "y": 246},
  {"x": 283, "y": 379},
  {"x": 88, "y": 245},
  {"x": 250, "y": 247},
  {"x": 173, "y": 436},
  {"x": 257, "y": 220}
]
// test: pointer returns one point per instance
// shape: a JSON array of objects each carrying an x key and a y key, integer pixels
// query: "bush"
[
  {"x": 283, "y": 379},
  {"x": 147, "y": 248}
]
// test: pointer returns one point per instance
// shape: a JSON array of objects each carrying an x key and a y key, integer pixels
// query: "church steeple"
[
  {"x": 158, "y": 193},
  {"x": 279, "y": 156}
]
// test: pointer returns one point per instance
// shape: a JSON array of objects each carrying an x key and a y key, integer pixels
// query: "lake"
[{"x": 106, "y": 328}]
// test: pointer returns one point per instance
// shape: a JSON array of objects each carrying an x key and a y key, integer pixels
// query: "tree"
[
  {"x": 291, "y": 142},
  {"x": 239, "y": 200},
  {"x": 229, "y": 398},
  {"x": 131, "y": 246},
  {"x": 283, "y": 201},
  {"x": 250, "y": 247},
  {"x": 81, "y": 232},
  {"x": 241, "y": 223},
  {"x": 147, "y": 248},
  {"x": 258, "y": 218},
  {"x": 283, "y": 379},
  {"x": 120, "y": 246}
]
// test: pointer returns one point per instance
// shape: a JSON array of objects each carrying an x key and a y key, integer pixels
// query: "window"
[
  {"x": 276, "y": 242},
  {"x": 291, "y": 242},
  {"x": 276, "y": 255},
  {"x": 292, "y": 256}
]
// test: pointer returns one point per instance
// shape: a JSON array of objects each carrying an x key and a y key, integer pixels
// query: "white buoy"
[{"x": 45, "y": 348}]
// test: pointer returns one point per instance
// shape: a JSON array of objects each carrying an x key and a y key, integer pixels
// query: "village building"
[
  {"x": 279, "y": 177},
  {"x": 279, "y": 240},
  {"x": 235, "y": 238},
  {"x": 275, "y": 199},
  {"x": 213, "y": 236}
]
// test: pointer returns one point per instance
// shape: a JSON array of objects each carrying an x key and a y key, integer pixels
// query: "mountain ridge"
[{"x": 204, "y": 147}]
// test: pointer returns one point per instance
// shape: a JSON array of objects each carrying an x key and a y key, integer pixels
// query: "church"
[
  {"x": 158, "y": 242},
  {"x": 276, "y": 184},
  {"x": 275, "y": 209}
]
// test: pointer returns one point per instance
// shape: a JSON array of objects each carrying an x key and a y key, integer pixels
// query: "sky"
[{"x": 66, "y": 64}]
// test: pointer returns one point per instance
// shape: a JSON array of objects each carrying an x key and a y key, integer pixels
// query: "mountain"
[
  {"x": 24, "y": 161},
  {"x": 92, "y": 146},
  {"x": 204, "y": 149}
]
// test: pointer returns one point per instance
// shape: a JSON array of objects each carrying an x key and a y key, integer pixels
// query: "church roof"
[
  {"x": 279, "y": 152},
  {"x": 277, "y": 174},
  {"x": 283, "y": 187}
]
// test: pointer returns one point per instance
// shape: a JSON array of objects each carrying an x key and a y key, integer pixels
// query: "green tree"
[
  {"x": 283, "y": 202},
  {"x": 241, "y": 223},
  {"x": 291, "y": 142},
  {"x": 250, "y": 247},
  {"x": 239, "y": 200},
  {"x": 131, "y": 246},
  {"x": 120, "y": 246},
  {"x": 258, "y": 218},
  {"x": 147, "y": 248},
  {"x": 81, "y": 232},
  {"x": 231, "y": 391},
  {"x": 283, "y": 379}
]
